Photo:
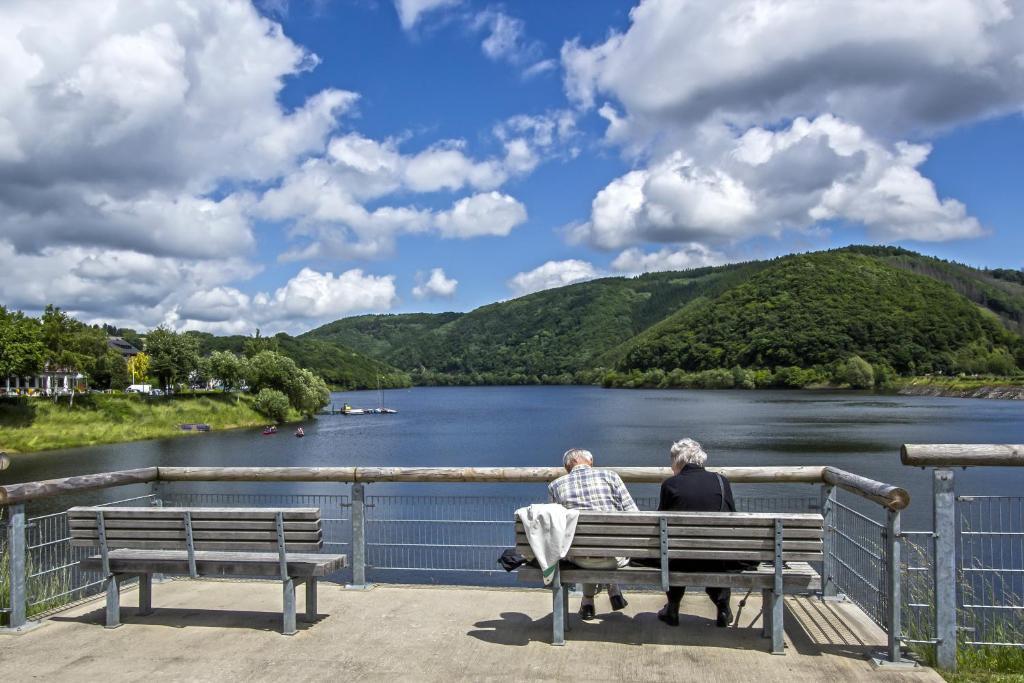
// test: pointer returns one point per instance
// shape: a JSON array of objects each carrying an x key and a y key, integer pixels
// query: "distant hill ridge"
[{"x": 896, "y": 309}]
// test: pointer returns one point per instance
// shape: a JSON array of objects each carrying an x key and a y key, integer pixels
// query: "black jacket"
[{"x": 695, "y": 489}]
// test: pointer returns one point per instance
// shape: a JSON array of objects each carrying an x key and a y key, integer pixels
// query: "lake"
[{"x": 530, "y": 426}]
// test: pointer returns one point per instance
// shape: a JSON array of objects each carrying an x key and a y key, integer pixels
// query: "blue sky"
[{"x": 229, "y": 166}]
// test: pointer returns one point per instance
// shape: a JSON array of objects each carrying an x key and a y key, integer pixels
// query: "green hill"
[
  {"x": 898, "y": 310},
  {"x": 820, "y": 309},
  {"x": 341, "y": 367}
]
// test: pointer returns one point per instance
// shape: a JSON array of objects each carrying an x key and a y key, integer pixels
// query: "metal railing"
[
  {"x": 448, "y": 539},
  {"x": 978, "y": 555},
  {"x": 992, "y": 571}
]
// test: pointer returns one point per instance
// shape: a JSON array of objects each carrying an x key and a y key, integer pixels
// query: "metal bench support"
[
  {"x": 778, "y": 642},
  {"x": 559, "y": 601},
  {"x": 145, "y": 594},
  {"x": 311, "y": 599}
]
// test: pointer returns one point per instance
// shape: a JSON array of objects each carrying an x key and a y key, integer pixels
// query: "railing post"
[
  {"x": 944, "y": 523},
  {"x": 895, "y": 580},
  {"x": 828, "y": 513},
  {"x": 16, "y": 573},
  {"x": 358, "y": 536}
]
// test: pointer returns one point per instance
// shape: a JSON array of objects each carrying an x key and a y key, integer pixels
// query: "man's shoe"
[
  {"x": 587, "y": 612},
  {"x": 724, "y": 616},
  {"x": 669, "y": 614},
  {"x": 618, "y": 601}
]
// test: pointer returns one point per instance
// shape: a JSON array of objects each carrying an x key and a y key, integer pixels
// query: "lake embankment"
[
  {"x": 39, "y": 424},
  {"x": 960, "y": 387}
]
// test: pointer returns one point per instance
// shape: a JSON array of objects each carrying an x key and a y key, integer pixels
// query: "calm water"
[{"x": 509, "y": 426}]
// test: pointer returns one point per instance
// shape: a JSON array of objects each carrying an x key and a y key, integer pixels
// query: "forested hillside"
[
  {"x": 808, "y": 316},
  {"x": 340, "y": 366}
]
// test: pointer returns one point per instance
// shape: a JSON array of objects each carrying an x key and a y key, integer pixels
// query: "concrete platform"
[{"x": 217, "y": 631}]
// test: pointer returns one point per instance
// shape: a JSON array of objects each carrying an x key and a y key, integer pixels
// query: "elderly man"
[
  {"x": 588, "y": 488},
  {"x": 693, "y": 488}
]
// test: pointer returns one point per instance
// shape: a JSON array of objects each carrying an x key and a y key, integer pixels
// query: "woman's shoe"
[
  {"x": 618, "y": 602},
  {"x": 587, "y": 612},
  {"x": 724, "y": 617},
  {"x": 669, "y": 614}
]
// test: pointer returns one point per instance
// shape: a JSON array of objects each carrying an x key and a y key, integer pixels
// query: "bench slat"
[
  {"x": 197, "y": 513},
  {"x": 116, "y": 535},
  {"x": 240, "y": 546},
  {"x": 580, "y": 542},
  {"x": 729, "y": 519},
  {"x": 197, "y": 525},
  {"x": 797, "y": 576},
  {"x": 126, "y": 561},
  {"x": 694, "y": 554},
  {"x": 584, "y": 529}
]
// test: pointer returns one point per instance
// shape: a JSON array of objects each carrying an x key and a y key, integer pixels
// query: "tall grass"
[
  {"x": 986, "y": 663},
  {"x": 46, "y": 592},
  {"x": 36, "y": 424}
]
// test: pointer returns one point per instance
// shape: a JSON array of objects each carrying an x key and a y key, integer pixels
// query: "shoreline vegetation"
[{"x": 37, "y": 424}]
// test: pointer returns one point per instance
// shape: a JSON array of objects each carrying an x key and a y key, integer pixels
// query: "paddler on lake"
[{"x": 588, "y": 488}]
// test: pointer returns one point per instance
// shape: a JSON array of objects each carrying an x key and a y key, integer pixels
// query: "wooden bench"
[
  {"x": 235, "y": 542},
  {"x": 789, "y": 542}
]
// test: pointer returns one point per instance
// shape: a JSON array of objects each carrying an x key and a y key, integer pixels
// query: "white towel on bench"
[{"x": 549, "y": 528}]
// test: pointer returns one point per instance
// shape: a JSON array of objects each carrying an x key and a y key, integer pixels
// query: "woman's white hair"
[
  {"x": 687, "y": 452},
  {"x": 577, "y": 456}
]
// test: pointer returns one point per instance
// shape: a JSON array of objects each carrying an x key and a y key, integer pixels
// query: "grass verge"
[{"x": 39, "y": 424}]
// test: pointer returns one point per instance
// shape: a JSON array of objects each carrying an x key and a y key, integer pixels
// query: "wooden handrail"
[
  {"x": 962, "y": 455},
  {"x": 884, "y": 494}
]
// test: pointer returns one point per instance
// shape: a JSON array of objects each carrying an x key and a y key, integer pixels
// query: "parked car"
[{"x": 156, "y": 392}]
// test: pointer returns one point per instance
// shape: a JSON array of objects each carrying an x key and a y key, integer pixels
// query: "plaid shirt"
[{"x": 587, "y": 488}]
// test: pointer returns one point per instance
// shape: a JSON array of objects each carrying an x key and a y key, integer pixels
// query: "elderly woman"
[{"x": 693, "y": 488}]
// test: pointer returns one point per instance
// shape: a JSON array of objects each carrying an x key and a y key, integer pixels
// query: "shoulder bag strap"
[{"x": 721, "y": 490}]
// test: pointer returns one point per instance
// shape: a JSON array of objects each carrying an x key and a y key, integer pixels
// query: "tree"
[
  {"x": 272, "y": 403},
  {"x": 70, "y": 345},
  {"x": 226, "y": 367},
  {"x": 111, "y": 371},
  {"x": 21, "y": 347},
  {"x": 174, "y": 356},
  {"x": 138, "y": 366},
  {"x": 306, "y": 392},
  {"x": 255, "y": 344},
  {"x": 858, "y": 373}
]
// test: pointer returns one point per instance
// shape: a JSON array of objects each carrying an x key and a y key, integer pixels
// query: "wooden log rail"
[
  {"x": 962, "y": 455},
  {"x": 886, "y": 495}
]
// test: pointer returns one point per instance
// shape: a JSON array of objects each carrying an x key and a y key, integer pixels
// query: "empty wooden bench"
[
  {"x": 789, "y": 542},
  {"x": 225, "y": 542}
]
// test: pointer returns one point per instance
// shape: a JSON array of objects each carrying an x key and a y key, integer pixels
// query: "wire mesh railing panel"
[
  {"x": 857, "y": 558},
  {"x": 5, "y": 595},
  {"x": 992, "y": 570},
  {"x": 55, "y": 577},
  {"x": 917, "y": 553},
  {"x": 440, "y": 533}
]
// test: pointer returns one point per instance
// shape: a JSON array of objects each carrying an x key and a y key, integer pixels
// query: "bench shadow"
[
  {"x": 518, "y": 629},
  {"x": 172, "y": 617},
  {"x": 816, "y": 628}
]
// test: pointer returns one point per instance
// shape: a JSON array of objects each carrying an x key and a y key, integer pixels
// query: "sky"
[{"x": 227, "y": 166}]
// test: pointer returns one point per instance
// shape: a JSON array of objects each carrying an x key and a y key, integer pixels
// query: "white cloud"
[
  {"x": 692, "y": 255},
  {"x": 552, "y": 274},
  {"x": 438, "y": 285},
  {"x": 491, "y": 213},
  {"x": 890, "y": 66},
  {"x": 322, "y": 295},
  {"x": 410, "y": 11},
  {"x": 541, "y": 67},
  {"x": 767, "y": 181}
]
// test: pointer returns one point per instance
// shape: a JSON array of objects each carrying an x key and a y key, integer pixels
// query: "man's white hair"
[
  {"x": 577, "y": 456},
  {"x": 687, "y": 452}
]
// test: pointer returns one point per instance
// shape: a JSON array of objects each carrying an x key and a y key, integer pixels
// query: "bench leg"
[
  {"x": 558, "y": 611},
  {"x": 766, "y": 613},
  {"x": 113, "y": 601},
  {"x": 145, "y": 594},
  {"x": 778, "y": 643},
  {"x": 288, "y": 628},
  {"x": 566, "y": 621},
  {"x": 311, "y": 599}
]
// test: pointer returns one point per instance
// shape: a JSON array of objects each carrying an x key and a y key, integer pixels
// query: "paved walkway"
[{"x": 218, "y": 631}]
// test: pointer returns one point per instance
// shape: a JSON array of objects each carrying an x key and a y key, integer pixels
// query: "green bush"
[
  {"x": 273, "y": 404},
  {"x": 858, "y": 373}
]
